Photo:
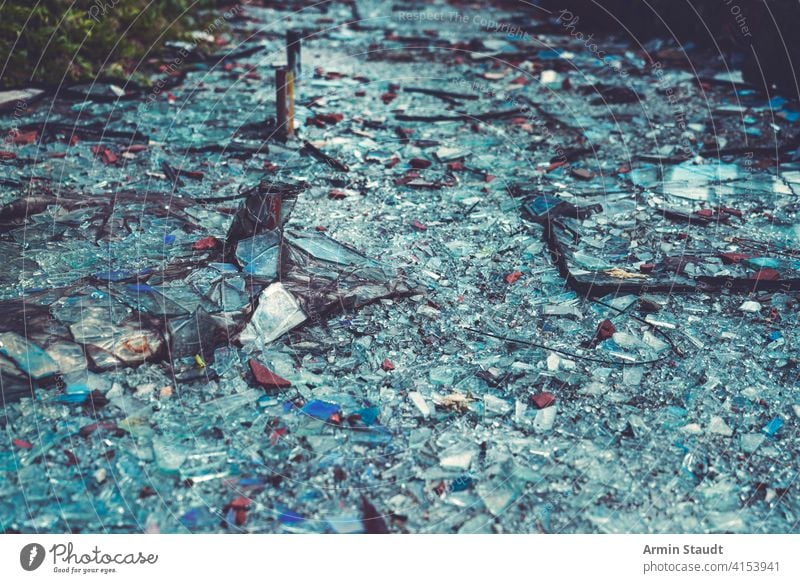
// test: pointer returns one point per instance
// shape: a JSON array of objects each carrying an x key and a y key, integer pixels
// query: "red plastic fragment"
[
  {"x": 418, "y": 225},
  {"x": 266, "y": 378},
  {"x": 205, "y": 244},
  {"x": 21, "y": 443},
  {"x": 336, "y": 194},
  {"x": 5, "y": 155},
  {"x": 605, "y": 330},
  {"x": 513, "y": 276},
  {"x": 647, "y": 267},
  {"x": 24, "y": 138},
  {"x": 766, "y": 274},
  {"x": 193, "y": 174},
  {"x": 277, "y": 433},
  {"x": 239, "y": 506},
  {"x": 387, "y": 365},
  {"x": 146, "y": 492},
  {"x": 106, "y": 155},
  {"x": 728, "y": 258},
  {"x": 730, "y": 211},
  {"x": 329, "y": 118},
  {"x": 419, "y": 163},
  {"x": 455, "y": 166},
  {"x": 543, "y": 400},
  {"x": 387, "y": 98},
  {"x": 87, "y": 430},
  {"x": 72, "y": 459}
]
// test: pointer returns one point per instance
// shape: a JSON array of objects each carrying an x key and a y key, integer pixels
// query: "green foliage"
[{"x": 72, "y": 40}]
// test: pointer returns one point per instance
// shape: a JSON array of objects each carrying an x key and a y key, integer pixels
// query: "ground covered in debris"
[{"x": 530, "y": 282}]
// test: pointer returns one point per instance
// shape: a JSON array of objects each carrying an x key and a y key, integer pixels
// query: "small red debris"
[
  {"x": 440, "y": 488},
  {"x": 335, "y": 418},
  {"x": 387, "y": 365},
  {"x": 705, "y": 213},
  {"x": 393, "y": 162},
  {"x": 22, "y": 443},
  {"x": 730, "y": 211},
  {"x": 647, "y": 267},
  {"x": 239, "y": 506},
  {"x": 489, "y": 177},
  {"x": 146, "y": 492},
  {"x": 406, "y": 178},
  {"x": 418, "y": 225},
  {"x": 419, "y": 163},
  {"x": 336, "y": 194},
  {"x": 206, "y": 243},
  {"x": 521, "y": 80},
  {"x": 106, "y": 155},
  {"x": 193, "y": 174},
  {"x": 455, "y": 166},
  {"x": 728, "y": 258},
  {"x": 605, "y": 330},
  {"x": 555, "y": 165},
  {"x": 108, "y": 426},
  {"x": 513, "y": 276},
  {"x": 320, "y": 228},
  {"x": 266, "y": 378},
  {"x": 329, "y": 118},
  {"x": 277, "y": 433},
  {"x": 387, "y": 98},
  {"x": 543, "y": 400},
  {"x": 24, "y": 138},
  {"x": 403, "y": 133},
  {"x": 5, "y": 155},
  {"x": 766, "y": 274},
  {"x": 72, "y": 459}
]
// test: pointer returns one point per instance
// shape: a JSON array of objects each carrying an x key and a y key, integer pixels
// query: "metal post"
[
  {"x": 281, "y": 125},
  {"x": 289, "y": 103},
  {"x": 293, "y": 39}
]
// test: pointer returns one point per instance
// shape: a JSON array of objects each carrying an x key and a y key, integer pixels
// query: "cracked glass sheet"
[{"x": 660, "y": 238}]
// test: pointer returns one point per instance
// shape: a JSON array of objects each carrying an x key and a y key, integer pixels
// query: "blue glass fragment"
[
  {"x": 771, "y": 428},
  {"x": 320, "y": 409}
]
